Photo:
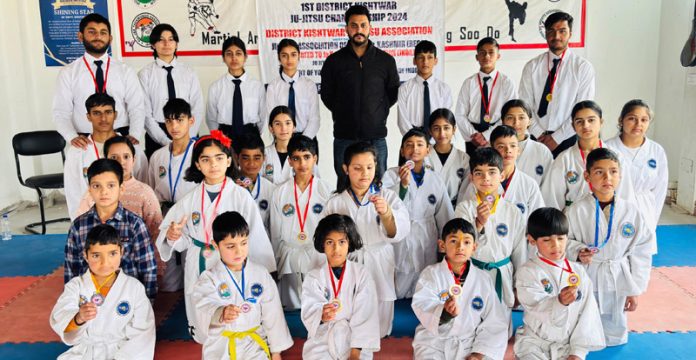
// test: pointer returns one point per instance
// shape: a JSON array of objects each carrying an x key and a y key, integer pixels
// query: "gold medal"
[
  {"x": 487, "y": 118},
  {"x": 302, "y": 236},
  {"x": 455, "y": 290},
  {"x": 573, "y": 279},
  {"x": 549, "y": 97},
  {"x": 336, "y": 304}
]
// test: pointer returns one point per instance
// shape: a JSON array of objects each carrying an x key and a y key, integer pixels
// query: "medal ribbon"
[
  {"x": 582, "y": 155},
  {"x": 461, "y": 272},
  {"x": 596, "y": 229},
  {"x": 181, "y": 167},
  {"x": 302, "y": 219},
  {"x": 258, "y": 186},
  {"x": 495, "y": 203},
  {"x": 94, "y": 78},
  {"x": 567, "y": 263},
  {"x": 98, "y": 286},
  {"x": 486, "y": 103},
  {"x": 217, "y": 202},
  {"x": 355, "y": 197},
  {"x": 558, "y": 69},
  {"x": 240, "y": 289},
  {"x": 340, "y": 280},
  {"x": 94, "y": 145}
]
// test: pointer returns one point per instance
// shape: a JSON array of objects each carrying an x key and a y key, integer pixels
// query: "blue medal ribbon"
[
  {"x": 258, "y": 186},
  {"x": 241, "y": 290},
  {"x": 181, "y": 167},
  {"x": 372, "y": 191},
  {"x": 596, "y": 232}
]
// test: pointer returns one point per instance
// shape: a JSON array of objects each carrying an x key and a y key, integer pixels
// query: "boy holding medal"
[
  {"x": 104, "y": 311},
  {"x": 296, "y": 209},
  {"x": 561, "y": 318},
  {"x": 236, "y": 301},
  {"x": 617, "y": 250},
  {"x": 458, "y": 309}
]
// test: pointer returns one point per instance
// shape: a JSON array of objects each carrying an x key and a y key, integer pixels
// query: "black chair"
[{"x": 36, "y": 143}]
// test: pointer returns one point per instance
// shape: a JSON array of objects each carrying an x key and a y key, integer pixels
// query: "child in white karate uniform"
[
  {"x": 187, "y": 225},
  {"x": 617, "y": 250},
  {"x": 561, "y": 318},
  {"x": 339, "y": 302},
  {"x": 425, "y": 196},
  {"x": 236, "y": 301},
  {"x": 459, "y": 312},
  {"x": 296, "y": 209},
  {"x": 535, "y": 158},
  {"x": 250, "y": 157},
  {"x": 104, "y": 313},
  {"x": 381, "y": 217},
  {"x": 446, "y": 160}
]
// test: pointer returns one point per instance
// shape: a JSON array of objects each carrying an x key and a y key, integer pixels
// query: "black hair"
[
  {"x": 442, "y": 113},
  {"x": 299, "y": 142},
  {"x": 339, "y": 223},
  {"x": 356, "y": 148},
  {"x": 174, "y": 108},
  {"x": 414, "y": 132},
  {"x": 556, "y": 17},
  {"x": 485, "y": 156},
  {"x": 195, "y": 175},
  {"x": 156, "y": 35},
  {"x": 501, "y": 132},
  {"x": 99, "y": 99},
  {"x": 102, "y": 234},
  {"x": 357, "y": 10},
  {"x": 233, "y": 41},
  {"x": 249, "y": 141},
  {"x": 229, "y": 223},
  {"x": 629, "y": 106},
  {"x": 487, "y": 41},
  {"x": 513, "y": 104},
  {"x": 95, "y": 18},
  {"x": 101, "y": 166},
  {"x": 458, "y": 224},
  {"x": 119, "y": 140},
  {"x": 285, "y": 43},
  {"x": 601, "y": 154},
  {"x": 425, "y": 47},
  {"x": 586, "y": 104},
  {"x": 547, "y": 221},
  {"x": 281, "y": 109}
]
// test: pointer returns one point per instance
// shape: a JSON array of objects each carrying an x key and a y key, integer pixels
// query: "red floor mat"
[
  {"x": 13, "y": 287},
  {"x": 669, "y": 303}
]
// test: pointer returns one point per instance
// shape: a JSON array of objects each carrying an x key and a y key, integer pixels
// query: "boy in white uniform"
[
  {"x": 339, "y": 302},
  {"x": 502, "y": 247},
  {"x": 250, "y": 157},
  {"x": 236, "y": 300},
  {"x": 617, "y": 249},
  {"x": 447, "y": 160},
  {"x": 104, "y": 313},
  {"x": 459, "y": 312},
  {"x": 561, "y": 318},
  {"x": 296, "y": 209}
]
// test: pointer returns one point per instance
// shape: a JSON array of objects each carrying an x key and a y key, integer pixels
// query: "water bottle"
[{"x": 6, "y": 232}]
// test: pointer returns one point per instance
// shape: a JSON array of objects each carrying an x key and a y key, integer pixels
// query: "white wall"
[{"x": 628, "y": 43}]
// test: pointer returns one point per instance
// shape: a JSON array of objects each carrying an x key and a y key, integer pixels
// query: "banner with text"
[
  {"x": 202, "y": 25},
  {"x": 319, "y": 29},
  {"x": 516, "y": 24}
]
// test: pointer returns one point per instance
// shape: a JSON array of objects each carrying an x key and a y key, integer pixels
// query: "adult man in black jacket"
[{"x": 359, "y": 83}]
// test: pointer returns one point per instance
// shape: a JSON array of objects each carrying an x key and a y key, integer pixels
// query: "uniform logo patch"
[
  {"x": 547, "y": 285},
  {"x": 142, "y": 26},
  {"x": 317, "y": 208},
  {"x": 432, "y": 199},
  {"x": 288, "y": 209},
  {"x": 224, "y": 291},
  {"x": 195, "y": 217},
  {"x": 460, "y": 173},
  {"x": 628, "y": 230},
  {"x": 501, "y": 229},
  {"x": 572, "y": 177},
  {"x": 263, "y": 205},
  {"x": 443, "y": 295},
  {"x": 162, "y": 171},
  {"x": 521, "y": 207},
  {"x": 269, "y": 170},
  {"x": 539, "y": 170},
  {"x": 123, "y": 308},
  {"x": 256, "y": 290},
  {"x": 83, "y": 300},
  {"x": 652, "y": 163},
  {"x": 477, "y": 303}
]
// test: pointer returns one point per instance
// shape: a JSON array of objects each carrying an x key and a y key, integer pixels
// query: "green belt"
[
  {"x": 491, "y": 266},
  {"x": 568, "y": 203},
  {"x": 201, "y": 258}
]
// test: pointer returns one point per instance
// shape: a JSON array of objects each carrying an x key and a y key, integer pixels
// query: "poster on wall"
[
  {"x": 202, "y": 25},
  {"x": 515, "y": 24},
  {"x": 319, "y": 29},
  {"x": 60, "y": 23}
]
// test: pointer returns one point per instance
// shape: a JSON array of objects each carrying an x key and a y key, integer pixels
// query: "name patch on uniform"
[
  {"x": 162, "y": 171},
  {"x": 269, "y": 170},
  {"x": 572, "y": 177},
  {"x": 317, "y": 208},
  {"x": 288, "y": 209},
  {"x": 460, "y": 173},
  {"x": 195, "y": 217},
  {"x": 652, "y": 163},
  {"x": 521, "y": 207},
  {"x": 477, "y": 303},
  {"x": 224, "y": 291},
  {"x": 539, "y": 170},
  {"x": 123, "y": 308},
  {"x": 501, "y": 229},
  {"x": 547, "y": 285},
  {"x": 628, "y": 230},
  {"x": 256, "y": 290},
  {"x": 263, "y": 205},
  {"x": 432, "y": 199}
]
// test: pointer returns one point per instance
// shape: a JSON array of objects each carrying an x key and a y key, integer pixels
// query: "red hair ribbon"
[{"x": 217, "y": 135}]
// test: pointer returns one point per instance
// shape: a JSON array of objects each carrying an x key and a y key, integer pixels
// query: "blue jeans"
[{"x": 340, "y": 145}]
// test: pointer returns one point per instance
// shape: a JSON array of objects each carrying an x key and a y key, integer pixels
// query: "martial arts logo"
[
  {"x": 145, "y": 3},
  {"x": 521, "y": 207},
  {"x": 288, "y": 209},
  {"x": 652, "y": 163},
  {"x": 269, "y": 170},
  {"x": 256, "y": 290},
  {"x": 542, "y": 28},
  {"x": 317, "y": 208},
  {"x": 195, "y": 217},
  {"x": 539, "y": 170},
  {"x": 202, "y": 12},
  {"x": 432, "y": 199},
  {"x": 477, "y": 303},
  {"x": 547, "y": 285},
  {"x": 460, "y": 173},
  {"x": 83, "y": 300},
  {"x": 224, "y": 291},
  {"x": 263, "y": 205},
  {"x": 443, "y": 295},
  {"x": 628, "y": 230},
  {"x": 501, "y": 229},
  {"x": 141, "y": 27},
  {"x": 162, "y": 171},
  {"x": 515, "y": 11},
  {"x": 123, "y": 308},
  {"x": 572, "y": 177}
]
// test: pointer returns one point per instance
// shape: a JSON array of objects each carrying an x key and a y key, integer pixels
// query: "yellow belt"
[{"x": 233, "y": 335}]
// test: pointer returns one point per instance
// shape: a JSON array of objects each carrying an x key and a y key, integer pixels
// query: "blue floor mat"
[
  {"x": 35, "y": 351},
  {"x": 175, "y": 327},
  {"x": 32, "y": 255},
  {"x": 676, "y": 245},
  {"x": 673, "y": 346}
]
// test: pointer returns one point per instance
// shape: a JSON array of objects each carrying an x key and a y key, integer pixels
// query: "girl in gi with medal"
[{"x": 339, "y": 302}]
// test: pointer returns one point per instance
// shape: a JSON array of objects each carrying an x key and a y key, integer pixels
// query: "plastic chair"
[{"x": 38, "y": 143}]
